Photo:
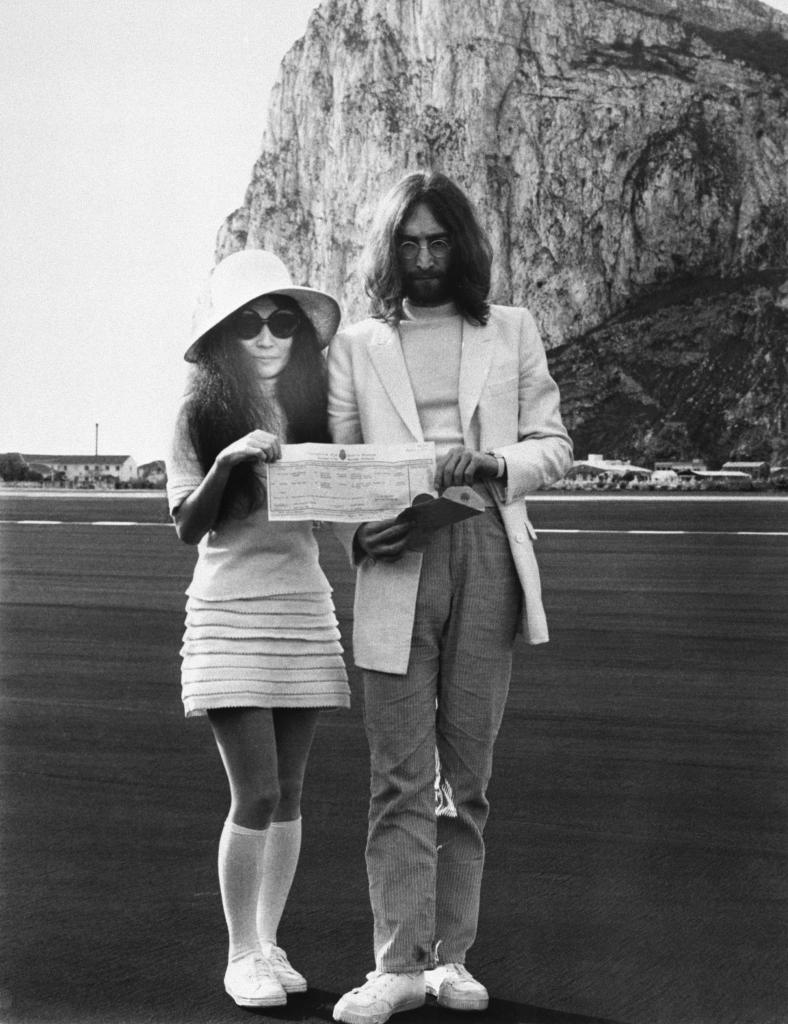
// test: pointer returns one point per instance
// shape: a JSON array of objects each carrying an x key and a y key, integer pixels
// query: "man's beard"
[{"x": 427, "y": 288}]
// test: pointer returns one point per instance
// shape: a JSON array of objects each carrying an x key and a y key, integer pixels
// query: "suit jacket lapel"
[
  {"x": 385, "y": 353},
  {"x": 477, "y": 353}
]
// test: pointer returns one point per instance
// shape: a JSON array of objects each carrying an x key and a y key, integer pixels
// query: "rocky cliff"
[{"x": 628, "y": 157}]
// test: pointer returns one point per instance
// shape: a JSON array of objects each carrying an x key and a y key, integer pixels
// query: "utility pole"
[{"x": 96, "y": 452}]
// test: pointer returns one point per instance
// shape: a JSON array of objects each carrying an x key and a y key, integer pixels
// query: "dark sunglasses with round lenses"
[
  {"x": 282, "y": 323},
  {"x": 409, "y": 248}
]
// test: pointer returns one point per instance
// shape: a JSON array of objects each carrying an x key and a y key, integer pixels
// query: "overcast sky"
[{"x": 129, "y": 130}]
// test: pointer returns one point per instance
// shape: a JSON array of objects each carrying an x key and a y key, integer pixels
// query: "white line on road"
[
  {"x": 681, "y": 533},
  {"x": 65, "y": 522},
  {"x": 664, "y": 496},
  {"x": 647, "y": 533},
  {"x": 122, "y": 522},
  {"x": 36, "y": 522}
]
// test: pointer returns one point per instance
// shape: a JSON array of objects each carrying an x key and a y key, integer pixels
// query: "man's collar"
[{"x": 411, "y": 312}]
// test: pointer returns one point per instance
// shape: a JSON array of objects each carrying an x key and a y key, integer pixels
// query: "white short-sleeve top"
[{"x": 242, "y": 557}]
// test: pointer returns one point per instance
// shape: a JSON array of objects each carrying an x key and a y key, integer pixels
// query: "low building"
[
  {"x": 153, "y": 474},
  {"x": 84, "y": 470},
  {"x": 756, "y": 470},
  {"x": 681, "y": 466},
  {"x": 597, "y": 465},
  {"x": 723, "y": 479}
]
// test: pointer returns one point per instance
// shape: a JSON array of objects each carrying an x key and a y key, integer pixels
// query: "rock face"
[
  {"x": 624, "y": 157},
  {"x": 697, "y": 369}
]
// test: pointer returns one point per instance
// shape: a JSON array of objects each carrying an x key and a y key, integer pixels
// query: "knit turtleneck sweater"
[{"x": 431, "y": 339}]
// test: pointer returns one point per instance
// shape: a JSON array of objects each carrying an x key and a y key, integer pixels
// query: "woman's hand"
[
  {"x": 258, "y": 445},
  {"x": 197, "y": 514}
]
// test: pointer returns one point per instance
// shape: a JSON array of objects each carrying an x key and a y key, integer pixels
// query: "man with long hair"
[{"x": 435, "y": 620}]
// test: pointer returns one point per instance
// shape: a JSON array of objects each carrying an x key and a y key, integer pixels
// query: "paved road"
[{"x": 636, "y": 848}]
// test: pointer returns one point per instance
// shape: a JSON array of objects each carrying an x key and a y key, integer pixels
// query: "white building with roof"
[
  {"x": 596, "y": 465},
  {"x": 84, "y": 470}
]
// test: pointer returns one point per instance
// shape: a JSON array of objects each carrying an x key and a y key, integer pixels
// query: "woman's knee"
[
  {"x": 290, "y": 789},
  {"x": 255, "y": 805}
]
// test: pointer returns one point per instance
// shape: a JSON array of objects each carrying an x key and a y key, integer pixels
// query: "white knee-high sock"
[
  {"x": 279, "y": 866},
  {"x": 241, "y": 855}
]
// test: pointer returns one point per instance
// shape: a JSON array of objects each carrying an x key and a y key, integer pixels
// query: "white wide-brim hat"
[{"x": 250, "y": 274}]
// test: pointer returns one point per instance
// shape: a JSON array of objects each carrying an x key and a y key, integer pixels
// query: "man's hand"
[
  {"x": 463, "y": 466},
  {"x": 383, "y": 541}
]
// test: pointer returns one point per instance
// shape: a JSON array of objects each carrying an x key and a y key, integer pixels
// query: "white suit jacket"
[{"x": 508, "y": 405}]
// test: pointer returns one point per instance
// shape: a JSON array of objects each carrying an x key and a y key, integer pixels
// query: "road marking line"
[
  {"x": 678, "y": 533},
  {"x": 657, "y": 531},
  {"x": 762, "y": 533},
  {"x": 119, "y": 522},
  {"x": 66, "y": 522},
  {"x": 631, "y": 533},
  {"x": 665, "y": 496}
]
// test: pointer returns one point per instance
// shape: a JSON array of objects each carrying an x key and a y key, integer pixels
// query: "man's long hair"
[
  {"x": 471, "y": 252},
  {"x": 226, "y": 402}
]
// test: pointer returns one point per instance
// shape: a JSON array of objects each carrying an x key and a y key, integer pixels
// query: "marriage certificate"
[{"x": 351, "y": 483}]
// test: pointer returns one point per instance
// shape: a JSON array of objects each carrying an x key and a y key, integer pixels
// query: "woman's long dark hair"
[
  {"x": 471, "y": 252},
  {"x": 226, "y": 402}
]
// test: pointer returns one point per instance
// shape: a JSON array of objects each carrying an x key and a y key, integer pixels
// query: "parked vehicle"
[{"x": 664, "y": 480}]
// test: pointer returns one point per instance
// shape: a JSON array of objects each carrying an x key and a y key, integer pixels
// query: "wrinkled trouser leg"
[
  {"x": 425, "y": 875},
  {"x": 400, "y": 720}
]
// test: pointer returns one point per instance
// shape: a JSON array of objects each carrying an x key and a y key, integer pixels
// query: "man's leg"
[
  {"x": 400, "y": 722},
  {"x": 474, "y": 684},
  {"x": 401, "y": 840},
  {"x": 399, "y": 716}
]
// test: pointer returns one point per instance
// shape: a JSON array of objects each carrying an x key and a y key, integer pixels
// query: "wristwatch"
[{"x": 501, "y": 464}]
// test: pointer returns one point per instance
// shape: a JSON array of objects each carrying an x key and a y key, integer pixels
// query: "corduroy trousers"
[{"x": 425, "y": 871}]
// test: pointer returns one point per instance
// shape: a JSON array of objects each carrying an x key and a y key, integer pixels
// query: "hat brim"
[{"x": 320, "y": 308}]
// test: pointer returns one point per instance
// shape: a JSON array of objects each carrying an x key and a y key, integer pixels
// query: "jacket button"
[{"x": 519, "y": 537}]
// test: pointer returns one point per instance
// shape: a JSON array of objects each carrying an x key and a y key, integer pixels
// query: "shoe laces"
[
  {"x": 459, "y": 971},
  {"x": 379, "y": 979},
  {"x": 258, "y": 969},
  {"x": 278, "y": 955}
]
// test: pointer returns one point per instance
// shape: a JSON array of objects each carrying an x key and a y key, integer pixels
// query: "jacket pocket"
[{"x": 500, "y": 386}]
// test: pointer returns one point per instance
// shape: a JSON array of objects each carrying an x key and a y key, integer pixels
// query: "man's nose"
[{"x": 424, "y": 258}]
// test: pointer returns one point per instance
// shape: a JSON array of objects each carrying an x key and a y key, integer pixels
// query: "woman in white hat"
[{"x": 261, "y": 652}]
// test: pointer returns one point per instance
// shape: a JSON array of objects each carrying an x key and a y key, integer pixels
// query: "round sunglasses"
[
  {"x": 409, "y": 248},
  {"x": 282, "y": 323}
]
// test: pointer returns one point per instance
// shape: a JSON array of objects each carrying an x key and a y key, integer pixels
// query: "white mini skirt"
[{"x": 281, "y": 651}]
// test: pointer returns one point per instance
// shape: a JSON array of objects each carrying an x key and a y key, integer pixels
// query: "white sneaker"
[
  {"x": 284, "y": 972},
  {"x": 383, "y": 995},
  {"x": 250, "y": 981},
  {"x": 456, "y": 988}
]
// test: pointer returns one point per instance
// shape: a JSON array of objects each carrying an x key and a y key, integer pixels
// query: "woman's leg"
[
  {"x": 247, "y": 744},
  {"x": 294, "y": 729}
]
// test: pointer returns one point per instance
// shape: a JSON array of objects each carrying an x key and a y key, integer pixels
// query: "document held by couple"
[{"x": 357, "y": 483}]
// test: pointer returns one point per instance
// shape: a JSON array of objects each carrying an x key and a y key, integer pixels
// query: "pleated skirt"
[{"x": 281, "y": 651}]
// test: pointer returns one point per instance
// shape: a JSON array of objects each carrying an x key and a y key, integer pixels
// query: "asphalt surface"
[{"x": 636, "y": 868}]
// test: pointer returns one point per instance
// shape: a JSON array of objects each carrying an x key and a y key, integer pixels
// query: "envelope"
[{"x": 428, "y": 513}]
